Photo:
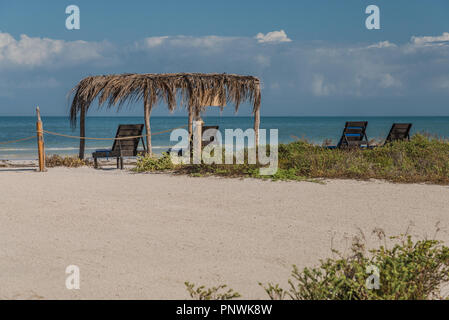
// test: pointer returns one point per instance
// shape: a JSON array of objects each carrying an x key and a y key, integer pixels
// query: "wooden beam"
[
  {"x": 190, "y": 127},
  {"x": 190, "y": 122},
  {"x": 256, "y": 131},
  {"x": 82, "y": 132},
  {"x": 197, "y": 139},
  {"x": 147, "y": 125}
]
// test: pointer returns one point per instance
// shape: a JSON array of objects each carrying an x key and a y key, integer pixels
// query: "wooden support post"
[
  {"x": 197, "y": 139},
  {"x": 190, "y": 126},
  {"x": 147, "y": 113},
  {"x": 256, "y": 132},
  {"x": 82, "y": 132},
  {"x": 190, "y": 123},
  {"x": 40, "y": 141}
]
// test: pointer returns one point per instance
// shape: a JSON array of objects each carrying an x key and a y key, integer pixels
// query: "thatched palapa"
[{"x": 195, "y": 91}]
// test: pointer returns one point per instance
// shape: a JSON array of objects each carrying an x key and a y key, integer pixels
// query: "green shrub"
[
  {"x": 201, "y": 293},
  {"x": 66, "y": 161},
  {"x": 408, "y": 270},
  {"x": 422, "y": 159},
  {"x": 149, "y": 163}
]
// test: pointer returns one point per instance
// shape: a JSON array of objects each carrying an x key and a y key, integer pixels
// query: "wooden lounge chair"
[
  {"x": 399, "y": 131},
  {"x": 122, "y": 148},
  {"x": 354, "y": 135}
]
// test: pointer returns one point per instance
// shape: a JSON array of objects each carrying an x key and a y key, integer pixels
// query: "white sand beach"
[{"x": 141, "y": 236}]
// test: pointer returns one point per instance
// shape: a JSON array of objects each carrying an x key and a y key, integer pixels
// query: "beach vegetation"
[
  {"x": 408, "y": 270},
  {"x": 66, "y": 161},
  {"x": 215, "y": 293},
  {"x": 149, "y": 163},
  {"x": 400, "y": 268},
  {"x": 423, "y": 159}
]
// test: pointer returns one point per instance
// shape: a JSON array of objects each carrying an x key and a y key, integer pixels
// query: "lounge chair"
[
  {"x": 399, "y": 131},
  {"x": 122, "y": 148},
  {"x": 354, "y": 135}
]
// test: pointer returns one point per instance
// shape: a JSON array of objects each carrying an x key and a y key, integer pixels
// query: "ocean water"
[{"x": 315, "y": 129}]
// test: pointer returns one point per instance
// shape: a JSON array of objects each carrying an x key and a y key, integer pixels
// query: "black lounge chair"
[
  {"x": 399, "y": 131},
  {"x": 123, "y": 147},
  {"x": 354, "y": 135}
]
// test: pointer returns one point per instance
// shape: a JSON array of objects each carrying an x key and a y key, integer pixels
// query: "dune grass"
[
  {"x": 66, "y": 161},
  {"x": 423, "y": 159}
]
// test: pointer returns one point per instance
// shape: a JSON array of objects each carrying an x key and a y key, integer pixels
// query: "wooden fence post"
[
  {"x": 40, "y": 141},
  {"x": 197, "y": 140}
]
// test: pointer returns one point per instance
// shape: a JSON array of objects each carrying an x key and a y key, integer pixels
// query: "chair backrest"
[
  {"x": 399, "y": 131},
  {"x": 128, "y": 146},
  {"x": 354, "y": 134},
  {"x": 211, "y": 137}
]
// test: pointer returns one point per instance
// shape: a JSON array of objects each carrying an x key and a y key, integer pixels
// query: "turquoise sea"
[{"x": 315, "y": 129}]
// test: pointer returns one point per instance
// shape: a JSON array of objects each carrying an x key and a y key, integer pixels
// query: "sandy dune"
[{"x": 142, "y": 235}]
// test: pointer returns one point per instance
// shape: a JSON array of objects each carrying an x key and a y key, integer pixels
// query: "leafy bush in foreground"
[{"x": 410, "y": 270}]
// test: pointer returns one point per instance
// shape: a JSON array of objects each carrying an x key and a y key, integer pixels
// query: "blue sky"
[{"x": 313, "y": 57}]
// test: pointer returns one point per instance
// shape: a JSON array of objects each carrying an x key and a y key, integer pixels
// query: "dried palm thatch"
[{"x": 194, "y": 91}]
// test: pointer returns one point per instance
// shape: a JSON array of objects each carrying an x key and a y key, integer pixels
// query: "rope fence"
[
  {"x": 120, "y": 138},
  {"x": 88, "y": 138},
  {"x": 39, "y": 136},
  {"x": 18, "y": 140}
]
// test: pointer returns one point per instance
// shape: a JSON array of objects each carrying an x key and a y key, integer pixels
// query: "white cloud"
[
  {"x": 273, "y": 37},
  {"x": 383, "y": 44},
  {"x": 210, "y": 42},
  {"x": 429, "y": 40},
  {"x": 305, "y": 70},
  {"x": 152, "y": 42},
  {"x": 32, "y": 52},
  {"x": 201, "y": 42}
]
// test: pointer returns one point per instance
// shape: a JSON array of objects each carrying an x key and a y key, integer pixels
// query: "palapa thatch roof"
[{"x": 192, "y": 90}]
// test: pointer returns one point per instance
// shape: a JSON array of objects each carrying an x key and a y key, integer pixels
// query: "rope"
[
  {"x": 121, "y": 138},
  {"x": 13, "y": 141},
  {"x": 86, "y": 138}
]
